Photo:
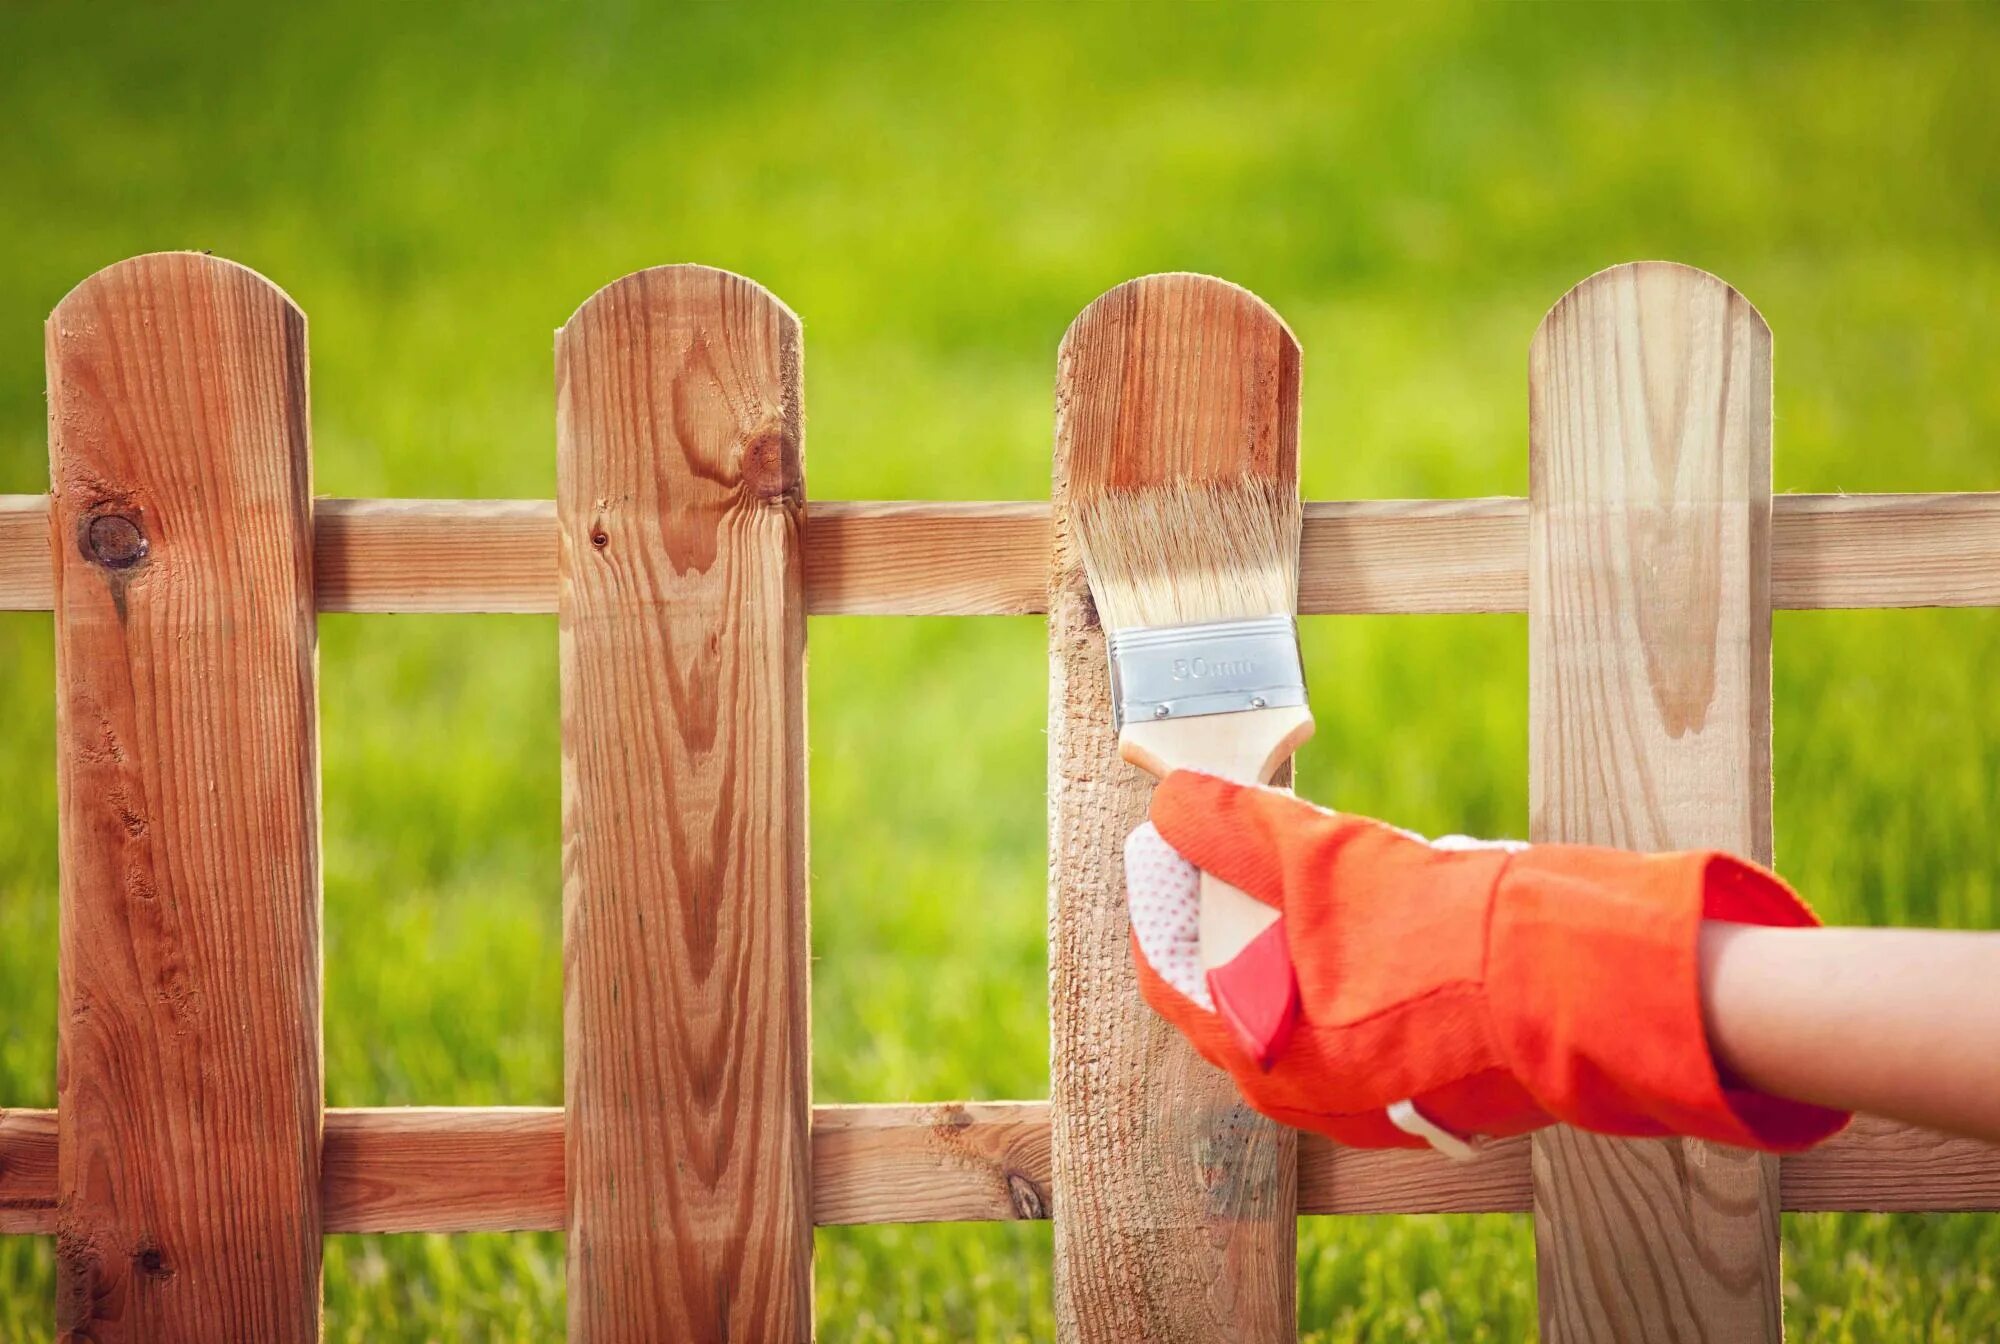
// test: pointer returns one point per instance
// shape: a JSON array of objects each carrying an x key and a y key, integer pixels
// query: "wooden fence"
[{"x": 191, "y": 1168}]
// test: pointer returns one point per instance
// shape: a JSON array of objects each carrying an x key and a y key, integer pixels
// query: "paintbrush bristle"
[{"x": 1187, "y": 553}]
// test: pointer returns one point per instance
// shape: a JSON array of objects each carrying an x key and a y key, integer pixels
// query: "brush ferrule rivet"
[
  {"x": 1161, "y": 711},
  {"x": 1257, "y": 702}
]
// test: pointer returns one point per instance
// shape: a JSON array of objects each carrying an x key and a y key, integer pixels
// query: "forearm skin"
[{"x": 1903, "y": 1023}]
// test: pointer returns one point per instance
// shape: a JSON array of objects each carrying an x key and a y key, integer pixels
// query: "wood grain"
[
  {"x": 1435, "y": 556},
  {"x": 431, "y": 555},
  {"x": 981, "y": 558},
  {"x": 1884, "y": 1166},
  {"x": 1337, "y": 1180},
  {"x": 443, "y": 1169},
  {"x": 479, "y": 1169},
  {"x": 188, "y": 777},
  {"x": 679, "y": 494},
  {"x": 1174, "y": 1202},
  {"x": 27, "y": 569},
  {"x": 1832, "y": 551},
  {"x": 927, "y": 559},
  {"x": 1650, "y": 728},
  {"x": 978, "y": 1161},
  {"x": 27, "y": 1171},
  {"x": 861, "y": 558}
]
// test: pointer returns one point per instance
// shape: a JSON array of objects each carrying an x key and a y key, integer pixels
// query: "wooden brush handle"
[{"x": 1248, "y": 747}]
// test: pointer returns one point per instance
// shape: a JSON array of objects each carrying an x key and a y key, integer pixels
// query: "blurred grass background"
[{"x": 938, "y": 190}]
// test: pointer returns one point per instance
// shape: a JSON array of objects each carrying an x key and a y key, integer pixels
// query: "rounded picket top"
[
  {"x": 657, "y": 328},
  {"x": 206, "y": 317},
  {"x": 683, "y": 278},
  {"x": 217, "y": 350},
  {"x": 1217, "y": 395},
  {"x": 1166, "y": 287},
  {"x": 151, "y": 268},
  {"x": 1692, "y": 280}
]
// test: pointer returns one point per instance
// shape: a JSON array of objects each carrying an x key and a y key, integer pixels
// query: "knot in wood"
[
  {"x": 114, "y": 541},
  {"x": 150, "y": 1262},
  {"x": 1026, "y": 1197},
  {"x": 770, "y": 463}
]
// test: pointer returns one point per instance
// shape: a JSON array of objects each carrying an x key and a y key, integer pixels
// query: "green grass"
[{"x": 938, "y": 190}]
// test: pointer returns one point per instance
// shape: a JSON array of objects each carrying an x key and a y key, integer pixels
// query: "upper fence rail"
[{"x": 985, "y": 558}]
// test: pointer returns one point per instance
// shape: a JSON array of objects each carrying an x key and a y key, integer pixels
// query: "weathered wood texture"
[
  {"x": 982, "y": 1161},
  {"x": 188, "y": 778},
  {"x": 978, "y": 558},
  {"x": 1885, "y": 1166},
  {"x": 1174, "y": 1202},
  {"x": 477, "y": 1169},
  {"x": 680, "y": 494},
  {"x": 1650, "y": 728}
]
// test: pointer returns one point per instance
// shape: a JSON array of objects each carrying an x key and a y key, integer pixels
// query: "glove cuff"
[{"x": 1594, "y": 984}]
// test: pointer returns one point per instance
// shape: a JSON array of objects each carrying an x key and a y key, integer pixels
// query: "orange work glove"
[{"x": 1456, "y": 989}]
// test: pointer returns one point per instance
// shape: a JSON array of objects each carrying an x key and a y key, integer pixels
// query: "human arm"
[{"x": 1903, "y": 1023}]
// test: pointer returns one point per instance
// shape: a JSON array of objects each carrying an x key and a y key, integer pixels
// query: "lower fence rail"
[{"x": 500, "y": 1169}]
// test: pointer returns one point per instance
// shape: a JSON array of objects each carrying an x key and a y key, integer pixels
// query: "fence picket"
[
  {"x": 1174, "y": 1202},
  {"x": 1649, "y": 617},
  {"x": 188, "y": 1188},
  {"x": 680, "y": 501}
]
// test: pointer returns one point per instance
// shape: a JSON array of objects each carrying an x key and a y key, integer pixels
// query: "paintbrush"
[{"x": 1196, "y": 583}]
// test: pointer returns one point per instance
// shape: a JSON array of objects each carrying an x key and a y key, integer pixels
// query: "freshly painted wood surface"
[
  {"x": 1174, "y": 1202},
  {"x": 979, "y": 558},
  {"x": 188, "y": 775},
  {"x": 1650, "y": 728},
  {"x": 679, "y": 497}
]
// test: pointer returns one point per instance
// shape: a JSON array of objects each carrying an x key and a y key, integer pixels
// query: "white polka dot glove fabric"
[{"x": 1163, "y": 894}]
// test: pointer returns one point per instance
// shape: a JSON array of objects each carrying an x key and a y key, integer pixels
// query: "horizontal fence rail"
[
  {"x": 500, "y": 1169},
  {"x": 977, "y": 558}
]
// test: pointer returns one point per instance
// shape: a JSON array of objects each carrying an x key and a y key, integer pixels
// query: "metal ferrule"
[{"x": 1223, "y": 667}]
